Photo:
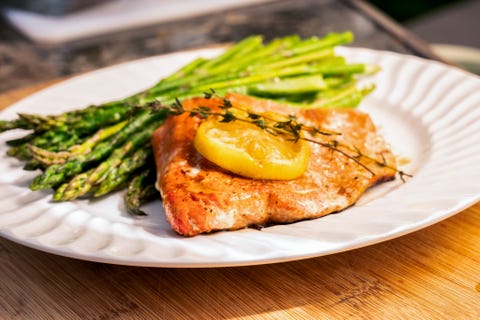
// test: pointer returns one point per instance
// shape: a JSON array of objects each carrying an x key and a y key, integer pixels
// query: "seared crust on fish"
[{"x": 199, "y": 196}]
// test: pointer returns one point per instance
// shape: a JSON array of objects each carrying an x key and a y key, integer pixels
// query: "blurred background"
[
  {"x": 450, "y": 26},
  {"x": 49, "y": 39},
  {"x": 442, "y": 21}
]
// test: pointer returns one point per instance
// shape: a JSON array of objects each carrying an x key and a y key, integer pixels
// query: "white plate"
[{"x": 430, "y": 113}]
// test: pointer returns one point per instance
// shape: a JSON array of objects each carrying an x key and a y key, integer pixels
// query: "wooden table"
[{"x": 430, "y": 274}]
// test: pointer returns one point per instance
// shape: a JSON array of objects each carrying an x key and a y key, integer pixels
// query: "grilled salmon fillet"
[{"x": 200, "y": 197}]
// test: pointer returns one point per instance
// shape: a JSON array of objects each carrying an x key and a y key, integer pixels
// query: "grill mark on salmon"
[{"x": 200, "y": 197}]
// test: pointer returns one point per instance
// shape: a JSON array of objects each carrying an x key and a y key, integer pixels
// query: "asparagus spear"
[
  {"x": 140, "y": 190},
  {"x": 53, "y": 140},
  {"x": 289, "y": 86},
  {"x": 328, "y": 41},
  {"x": 23, "y": 140},
  {"x": 118, "y": 177},
  {"x": 47, "y": 157},
  {"x": 39, "y": 123},
  {"x": 67, "y": 190},
  {"x": 347, "y": 96},
  {"x": 18, "y": 123}
]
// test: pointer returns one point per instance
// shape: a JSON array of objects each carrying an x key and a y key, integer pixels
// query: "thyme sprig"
[{"x": 288, "y": 127}]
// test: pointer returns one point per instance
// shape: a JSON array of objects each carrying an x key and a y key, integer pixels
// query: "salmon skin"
[{"x": 200, "y": 197}]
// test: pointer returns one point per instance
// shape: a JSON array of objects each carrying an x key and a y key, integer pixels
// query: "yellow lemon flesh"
[{"x": 249, "y": 151}]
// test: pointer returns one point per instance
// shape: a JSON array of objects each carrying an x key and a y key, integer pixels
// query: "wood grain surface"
[{"x": 433, "y": 273}]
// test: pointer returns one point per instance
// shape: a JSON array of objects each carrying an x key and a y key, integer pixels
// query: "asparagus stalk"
[
  {"x": 47, "y": 157},
  {"x": 292, "y": 86},
  {"x": 187, "y": 69},
  {"x": 106, "y": 113},
  {"x": 32, "y": 165},
  {"x": 18, "y": 123},
  {"x": 140, "y": 190},
  {"x": 68, "y": 190},
  {"x": 23, "y": 140},
  {"x": 53, "y": 140},
  {"x": 119, "y": 176},
  {"x": 348, "y": 96}
]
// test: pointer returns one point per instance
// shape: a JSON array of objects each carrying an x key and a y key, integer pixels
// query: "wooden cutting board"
[{"x": 433, "y": 273}]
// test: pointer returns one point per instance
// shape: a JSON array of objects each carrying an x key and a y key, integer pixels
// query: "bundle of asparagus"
[{"x": 100, "y": 149}]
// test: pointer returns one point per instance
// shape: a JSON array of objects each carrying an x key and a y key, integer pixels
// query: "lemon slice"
[{"x": 249, "y": 151}]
